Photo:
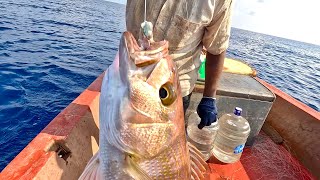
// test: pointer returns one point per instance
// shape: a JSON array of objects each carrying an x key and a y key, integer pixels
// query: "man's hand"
[{"x": 207, "y": 111}]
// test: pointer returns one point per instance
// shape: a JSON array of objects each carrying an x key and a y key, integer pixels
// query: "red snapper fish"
[{"x": 142, "y": 133}]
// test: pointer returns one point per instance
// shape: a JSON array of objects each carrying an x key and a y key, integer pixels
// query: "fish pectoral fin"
[
  {"x": 91, "y": 171},
  {"x": 134, "y": 170},
  {"x": 198, "y": 164}
]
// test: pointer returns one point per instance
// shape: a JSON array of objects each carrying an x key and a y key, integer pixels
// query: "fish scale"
[
  {"x": 168, "y": 163},
  {"x": 153, "y": 137}
]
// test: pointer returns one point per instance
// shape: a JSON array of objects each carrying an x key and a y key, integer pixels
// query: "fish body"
[{"x": 142, "y": 134}]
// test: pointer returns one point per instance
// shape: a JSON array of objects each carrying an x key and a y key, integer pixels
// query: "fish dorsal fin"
[
  {"x": 198, "y": 164},
  {"x": 134, "y": 170}
]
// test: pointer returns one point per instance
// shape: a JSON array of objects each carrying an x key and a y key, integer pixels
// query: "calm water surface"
[{"x": 50, "y": 51}]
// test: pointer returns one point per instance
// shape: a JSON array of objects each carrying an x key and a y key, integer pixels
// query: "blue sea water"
[
  {"x": 291, "y": 66},
  {"x": 50, "y": 51}
]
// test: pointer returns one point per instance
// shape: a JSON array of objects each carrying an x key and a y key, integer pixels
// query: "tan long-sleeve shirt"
[{"x": 188, "y": 25}]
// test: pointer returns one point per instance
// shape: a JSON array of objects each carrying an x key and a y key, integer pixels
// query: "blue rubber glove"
[{"x": 207, "y": 111}]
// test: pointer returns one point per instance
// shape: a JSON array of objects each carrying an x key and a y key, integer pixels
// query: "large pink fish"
[{"x": 142, "y": 133}]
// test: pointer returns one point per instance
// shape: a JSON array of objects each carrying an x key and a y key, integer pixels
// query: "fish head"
[{"x": 151, "y": 115}]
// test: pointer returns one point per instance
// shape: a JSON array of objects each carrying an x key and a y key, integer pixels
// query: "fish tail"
[{"x": 91, "y": 171}]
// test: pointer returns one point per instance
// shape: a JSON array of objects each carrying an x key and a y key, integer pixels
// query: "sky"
[{"x": 291, "y": 19}]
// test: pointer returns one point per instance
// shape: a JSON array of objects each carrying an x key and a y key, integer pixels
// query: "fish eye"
[{"x": 167, "y": 94}]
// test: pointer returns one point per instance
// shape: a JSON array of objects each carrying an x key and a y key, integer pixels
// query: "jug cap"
[{"x": 237, "y": 111}]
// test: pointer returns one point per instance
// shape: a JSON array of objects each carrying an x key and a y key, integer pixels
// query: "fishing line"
[
  {"x": 186, "y": 7},
  {"x": 145, "y": 10}
]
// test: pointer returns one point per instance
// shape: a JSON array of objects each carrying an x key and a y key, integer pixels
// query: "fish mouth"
[{"x": 144, "y": 57}]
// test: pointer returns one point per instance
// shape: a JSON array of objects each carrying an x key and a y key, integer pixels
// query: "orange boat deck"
[
  {"x": 75, "y": 131},
  {"x": 264, "y": 160}
]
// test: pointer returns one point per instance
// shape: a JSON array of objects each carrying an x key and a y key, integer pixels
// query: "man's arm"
[
  {"x": 216, "y": 41},
  {"x": 214, "y": 67},
  {"x": 207, "y": 109}
]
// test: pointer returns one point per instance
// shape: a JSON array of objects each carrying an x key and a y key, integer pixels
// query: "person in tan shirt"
[{"x": 189, "y": 26}]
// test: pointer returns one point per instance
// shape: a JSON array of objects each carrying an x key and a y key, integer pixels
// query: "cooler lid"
[{"x": 242, "y": 86}]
